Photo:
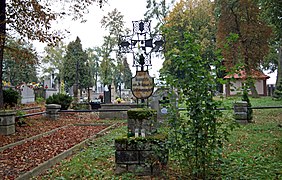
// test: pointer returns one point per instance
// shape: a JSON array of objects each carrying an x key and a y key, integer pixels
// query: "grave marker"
[
  {"x": 141, "y": 44},
  {"x": 134, "y": 153}
]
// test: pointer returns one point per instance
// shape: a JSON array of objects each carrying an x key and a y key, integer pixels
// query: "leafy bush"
[
  {"x": 11, "y": 97},
  {"x": 40, "y": 100},
  {"x": 278, "y": 92},
  {"x": 63, "y": 99},
  {"x": 21, "y": 121},
  {"x": 245, "y": 97},
  {"x": 195, "y": 136},
  {"x": 80, "y": 106}
]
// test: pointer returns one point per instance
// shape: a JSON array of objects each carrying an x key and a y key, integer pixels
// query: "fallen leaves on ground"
[
  {"x": 39, "y": 124},
  {"x": 21, "y": 158}
]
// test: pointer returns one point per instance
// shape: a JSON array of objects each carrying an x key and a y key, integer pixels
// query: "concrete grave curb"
[{"x": 47, "y": 164}]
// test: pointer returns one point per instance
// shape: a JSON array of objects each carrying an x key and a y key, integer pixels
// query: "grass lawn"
[{"x": 253, "y": 152}]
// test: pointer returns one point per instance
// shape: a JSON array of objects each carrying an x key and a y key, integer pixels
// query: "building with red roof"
[{"x": 237, "y": 80}]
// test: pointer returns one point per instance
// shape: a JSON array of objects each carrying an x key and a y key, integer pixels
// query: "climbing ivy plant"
[{"x": 196, "y": 135}]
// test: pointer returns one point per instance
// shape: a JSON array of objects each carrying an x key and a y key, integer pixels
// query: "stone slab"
[
  {"x": 7, "y": 130},
  {"x": 240, "y": 115},
  {"x": 113, "y": 115},
  {"x": 7, "y": 118}
]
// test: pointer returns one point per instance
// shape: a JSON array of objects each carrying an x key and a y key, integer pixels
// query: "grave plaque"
[{"x": 142, "y": 85}]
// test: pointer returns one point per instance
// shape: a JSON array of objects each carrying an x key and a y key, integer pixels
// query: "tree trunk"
[
  {"x": 80, "y": 92},
  {"x": 253, "y": 90},
  {"x": 2, "y": 44},
  {"x": 75, "y": 92},
  {"x": 251, "y": 83},
  {"x": 88, "y": 94},
  {"x": 279, "y": 68}
]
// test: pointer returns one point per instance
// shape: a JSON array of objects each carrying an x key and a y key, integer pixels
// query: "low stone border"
[
  {"x": 47, "y": 164},
  {"x": 93, "y": 124},
  {"x": 32, "y": 138}
]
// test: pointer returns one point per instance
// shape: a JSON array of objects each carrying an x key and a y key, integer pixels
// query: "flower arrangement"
[
  {"x": 6, "y": 83},
  {"x": 118, "y": 100}
]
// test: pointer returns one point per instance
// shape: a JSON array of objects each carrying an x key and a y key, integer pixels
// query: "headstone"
[
  {"x": 50, "y": 92},
  {"x": 142, "y": 152},
  {"x": 241, "y": 112},
  {"x": 27, "y": 94},
  {"x": 159, "y": 102},
  {"x": 50, "y": 87},
  {"x": 107, "y": 95}
]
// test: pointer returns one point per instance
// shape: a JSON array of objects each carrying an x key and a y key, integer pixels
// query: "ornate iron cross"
[{"x": 141, "y": 44}]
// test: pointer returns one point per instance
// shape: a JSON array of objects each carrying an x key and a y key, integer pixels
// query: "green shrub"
[
  {"x": 40, "y": 100},
  {"x": 63, "y": 99},
  {"x": 141, "y": 113},
  {"x": 245, "y": 97},
  {"x": 80, "y": 106},
  {"x": 11, "y": 97},
  {"x": 21, "y": 121},
  {"x": 278, "y": 92}
]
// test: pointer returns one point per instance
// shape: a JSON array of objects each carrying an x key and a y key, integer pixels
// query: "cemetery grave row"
[{"x": 32, "y": 145}]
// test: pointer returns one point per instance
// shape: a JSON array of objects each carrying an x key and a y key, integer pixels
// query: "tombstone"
[
  {"x": 70, "y": 91},
  {"x": 49, "y": 87},
  {"x": 143, "y": 151},
  {"x": 27, "y": 94},
  {"x": 160, "y": 100},
  {"x": 107, "y": 95},
  {"x": 241, "y": 112}
]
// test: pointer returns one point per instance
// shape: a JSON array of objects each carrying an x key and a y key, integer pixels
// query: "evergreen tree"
[
  {"x": 94, "y": 64},
  {"x": 75, "y": 71},
  {"x": 127, "y": 74}
]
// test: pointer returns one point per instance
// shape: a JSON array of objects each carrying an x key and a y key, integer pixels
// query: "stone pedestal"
[
  {"x": 241, "y": 112},
  {"x": 52, "y": 111},
  {"x": 141, "y": 156},
  {"x": 7, "y": 122},
  {"x": 104, "y": 114},
  {"x": 143, "y": 151},
  {"x": 139, "y": 119}
]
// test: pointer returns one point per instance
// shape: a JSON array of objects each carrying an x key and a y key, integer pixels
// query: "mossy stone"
[{"x": 141, "y": 113}]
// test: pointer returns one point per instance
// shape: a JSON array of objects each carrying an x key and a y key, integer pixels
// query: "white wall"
[{"x": 235, "y": 87}]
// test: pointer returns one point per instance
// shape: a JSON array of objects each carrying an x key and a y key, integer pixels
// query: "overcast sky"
[{"x": 91, "y": 33}]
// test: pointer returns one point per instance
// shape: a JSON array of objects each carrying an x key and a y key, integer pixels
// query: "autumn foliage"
[{"x": 242, "y": 36}]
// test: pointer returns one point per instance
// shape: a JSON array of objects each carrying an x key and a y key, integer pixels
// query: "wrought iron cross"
[{"x": 141, "y": 44}]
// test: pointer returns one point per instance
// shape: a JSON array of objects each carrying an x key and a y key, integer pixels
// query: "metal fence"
[{"x": 119, "y": 110}]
